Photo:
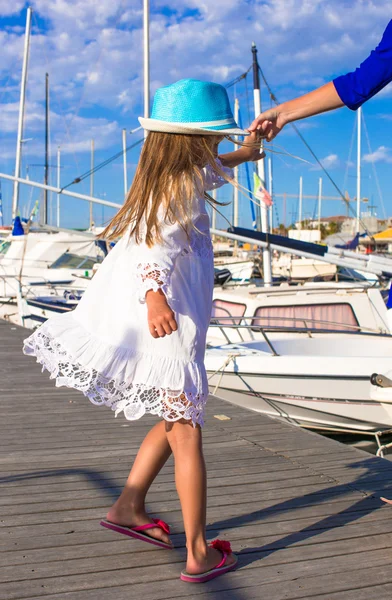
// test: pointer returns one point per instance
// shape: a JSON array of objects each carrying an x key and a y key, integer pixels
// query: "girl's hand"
[
  {"x": 250, "y": 151},
  {"x": 161, "y": 320},
  {"x": 251, "y": 147}
]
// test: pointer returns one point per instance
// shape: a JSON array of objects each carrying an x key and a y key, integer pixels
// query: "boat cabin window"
[
  {"x": 4, "y": 247},
  {"x": 74, "y": 261},
  {"x": 331, "y": 317},
  {"x": 223, "y": 308}
]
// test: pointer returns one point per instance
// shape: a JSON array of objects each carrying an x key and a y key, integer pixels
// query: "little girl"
[{"x": 136, "y": 340}]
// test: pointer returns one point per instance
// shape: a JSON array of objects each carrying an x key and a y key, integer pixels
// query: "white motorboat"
[
  {"x": 301, "y": 268},
  {"x": 241, "y": 270},
  {"x": 303, "y": 353},
  {"x": 44, "y": 265},
  {"x": 236, "y": 260}
]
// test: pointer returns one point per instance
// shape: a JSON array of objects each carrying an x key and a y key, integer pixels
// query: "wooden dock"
[{"x": 303, "y": 512}]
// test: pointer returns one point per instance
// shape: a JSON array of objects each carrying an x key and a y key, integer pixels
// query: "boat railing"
[
  {"x": 308, "y": 326},
  {"x": 35, "y": 282}
]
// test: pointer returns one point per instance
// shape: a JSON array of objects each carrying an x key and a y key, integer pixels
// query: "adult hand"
[
  {"x": 269, "y": 123},
  {"x": 160, "y": 317}
]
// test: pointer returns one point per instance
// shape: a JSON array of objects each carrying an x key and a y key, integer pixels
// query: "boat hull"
[
  {"x": 331, "y": 392},
  {"x": 328, "y": 414}
]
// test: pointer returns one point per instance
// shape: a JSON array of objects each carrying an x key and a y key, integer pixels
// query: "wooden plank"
[
  {"x": 95, "y": 545},
  {"x": 364, "y": 593},
  {"x": 275, "y": 523},
  {"x": 222, "y": 462},
  {"x": 164, "y": 501},
  {"x": 99, "y": 543},
  {"x": 97, "y": 481},
  {"x": 243, "y": 511},
  {"x": 116, "y": 459},
  {"x": 167, "y": 581},
  {"x": 312, "y": 494},
  {"x": 285, "y": 591},
  {"x": 52, "y": 566}
]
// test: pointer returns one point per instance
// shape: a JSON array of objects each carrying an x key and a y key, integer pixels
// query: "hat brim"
[{"x": 167, "y": 127}]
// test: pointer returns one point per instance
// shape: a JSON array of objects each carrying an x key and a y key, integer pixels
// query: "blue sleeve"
[{"x": 370, "y": 77}]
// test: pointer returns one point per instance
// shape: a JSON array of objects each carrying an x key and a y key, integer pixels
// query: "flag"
[{"x": 260, "y": 192}]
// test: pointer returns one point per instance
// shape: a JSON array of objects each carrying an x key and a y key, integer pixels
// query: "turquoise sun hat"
[{"x": 191, "y": 106}]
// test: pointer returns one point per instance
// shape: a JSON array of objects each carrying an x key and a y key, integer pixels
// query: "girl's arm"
[
  {"x": 155, "y": 266},
  {"x": 250, "y": 151}
]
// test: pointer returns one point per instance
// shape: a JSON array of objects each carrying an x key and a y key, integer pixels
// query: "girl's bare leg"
[
  {"x": 191, "y": 482},
  {"x": 129, "y": 509}
]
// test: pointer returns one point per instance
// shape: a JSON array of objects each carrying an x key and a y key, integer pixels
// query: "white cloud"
[
  {"x": 386, "y": 92},
  {"x": 382, "y": 154},
  {"x": 329, "y": 162},
  {"x": 72, "y": 132},
  {"x": 8, "y": 8},
  {"x": 83, "y": 14}
]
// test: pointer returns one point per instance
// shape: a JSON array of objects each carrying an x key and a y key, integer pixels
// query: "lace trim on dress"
[
  {"x": 153, "y": 277},
  {"x": 133, "y": 399},
  {"x": 201, "y": 244},
  {"x": 212, "y": 179}
]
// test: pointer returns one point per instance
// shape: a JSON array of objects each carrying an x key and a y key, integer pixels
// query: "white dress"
[{"x": 104, "y": 347}]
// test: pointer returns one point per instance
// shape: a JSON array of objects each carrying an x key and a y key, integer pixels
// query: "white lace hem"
[{"x": 134, "y": 400}]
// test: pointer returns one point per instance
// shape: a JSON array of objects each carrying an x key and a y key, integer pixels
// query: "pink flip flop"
[
  {"x": 221, "y": 568},
  {"x": 136, "y": 532}
]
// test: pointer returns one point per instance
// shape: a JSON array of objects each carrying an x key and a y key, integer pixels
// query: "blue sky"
[{"x": 93, "y": 54}]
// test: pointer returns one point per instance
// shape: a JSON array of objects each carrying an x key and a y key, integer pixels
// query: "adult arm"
[
  {"x": 351, "y": 90},
  {"x": 373, "y": 74},
  {"x": 272, "y": 121}
]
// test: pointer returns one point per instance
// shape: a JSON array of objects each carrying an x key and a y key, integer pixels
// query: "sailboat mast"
[
  {"x": 320, "y": 197},
  {"x": 58, "y": 186},
  {"x": 257, "y": 104},
  {"x": 359, "y": 123},
  {"x": 300, "y": 203},
  {"x": 271, "y": 191},
  {"x": 236, "y": 170},
  {"x": 15, "y": 195},
  {"x": 91, "y": 217},
  {"x": 46, "y": 167},
  {"x": 124, "y": 144},
  {"x": 146, "y": 58},
  {"x": 262, "y": 215},
  {"x": 1, "y": 208}
]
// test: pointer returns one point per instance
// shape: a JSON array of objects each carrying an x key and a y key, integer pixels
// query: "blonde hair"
[{"x": 170, "y": 166}]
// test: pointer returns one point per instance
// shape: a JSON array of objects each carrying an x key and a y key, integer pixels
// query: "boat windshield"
[
  {"x": 75, "y": 261},
  {"x": 337, "y": 316},
  {"x": 4, "y": 246}
]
